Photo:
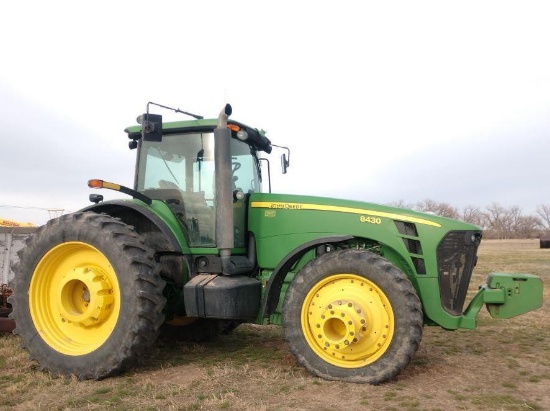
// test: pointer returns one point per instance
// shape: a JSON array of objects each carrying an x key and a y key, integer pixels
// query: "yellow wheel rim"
[
  {"x": 74, "y": 298},
  {"x": 347, "y": 320}
]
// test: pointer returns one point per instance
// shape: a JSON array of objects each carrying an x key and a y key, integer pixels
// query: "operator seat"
[
  {"x": 173, "y": 199},
  {"x": 168, "y": 195}
]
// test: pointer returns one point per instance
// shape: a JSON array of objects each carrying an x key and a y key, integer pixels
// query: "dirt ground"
[{"x": 502, "y": 365}]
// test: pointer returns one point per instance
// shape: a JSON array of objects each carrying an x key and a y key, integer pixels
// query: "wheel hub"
[
  {"x": 339, "y": 325},
  {"x": 85, "y": 296},
  {"x": 347, "y": 320}
]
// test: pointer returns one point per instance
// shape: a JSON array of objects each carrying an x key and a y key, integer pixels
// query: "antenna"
[{"x": 177, "y": 110}]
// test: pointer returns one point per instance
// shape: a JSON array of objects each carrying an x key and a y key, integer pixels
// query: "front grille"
[{"x": 456, "y": 258}]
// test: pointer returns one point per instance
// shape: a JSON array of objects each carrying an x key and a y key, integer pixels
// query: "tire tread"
[{"x": 146, "y": 311}]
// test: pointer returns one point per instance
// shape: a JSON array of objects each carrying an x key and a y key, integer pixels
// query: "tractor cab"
[
  {"x": 180, "y": 170},
  {"x": 176, "y": 163}
]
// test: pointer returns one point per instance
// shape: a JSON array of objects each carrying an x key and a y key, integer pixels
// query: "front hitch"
[{"x": 506, "y": 295}]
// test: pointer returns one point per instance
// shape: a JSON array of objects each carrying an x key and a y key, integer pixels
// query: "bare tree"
[
  {"x": 505, "y": 223},
  {"x": 401, "y": 204},
  {"x": 473, "y": 215},
  {"x": 543, "y": 212},
  {"x": 440, "y": 209},
  {"x": 500, "y": 220},
  {"x": 527, "y": 227},
  {"x": 514, "y": 221}
]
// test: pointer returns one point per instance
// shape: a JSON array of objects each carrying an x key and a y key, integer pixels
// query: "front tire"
[
  {"x": 87, "y": 296},
  {"x": 351, "y": 315}
]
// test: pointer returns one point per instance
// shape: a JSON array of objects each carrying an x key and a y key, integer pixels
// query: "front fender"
[{"x": 275, "y": 283}]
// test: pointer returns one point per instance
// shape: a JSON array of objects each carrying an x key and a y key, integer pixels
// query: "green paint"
[{"x": 283, "y": 223}]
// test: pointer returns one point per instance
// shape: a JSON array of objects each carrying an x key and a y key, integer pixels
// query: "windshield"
[{"x": 180, "y": 171}]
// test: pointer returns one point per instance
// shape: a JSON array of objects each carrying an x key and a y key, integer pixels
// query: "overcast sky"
[{"x": 378, "y": 101}]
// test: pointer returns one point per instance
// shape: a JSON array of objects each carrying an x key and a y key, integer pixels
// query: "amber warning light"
[
  {"x": 96, "y": 183},
  {"x": 103, "y": 184}
]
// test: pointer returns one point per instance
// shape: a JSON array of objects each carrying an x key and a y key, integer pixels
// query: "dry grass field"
[{"x": 503, "y": 365}]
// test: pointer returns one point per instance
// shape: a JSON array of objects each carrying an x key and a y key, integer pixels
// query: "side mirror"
[
  {"x": 284, "y": 163},
  {"x": 151, "y": 127}
]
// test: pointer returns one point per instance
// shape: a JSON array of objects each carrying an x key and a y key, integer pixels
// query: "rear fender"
[{"x": 157, "y": 233}]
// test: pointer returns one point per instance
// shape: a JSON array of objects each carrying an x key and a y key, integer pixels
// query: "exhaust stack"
[{"x": 224, "y": 194}]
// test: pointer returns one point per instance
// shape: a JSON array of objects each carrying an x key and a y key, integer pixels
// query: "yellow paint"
[
  {"x": 270, "y": 213},
  {"x": 74, "y": 298},
  {"x": 112, "y": 186},
  {"x": 347, "y": 321},
  {"x": 338, "y": 209},
  {"x": 12, "y": 223},
  {"x": 370, "y": 220}
]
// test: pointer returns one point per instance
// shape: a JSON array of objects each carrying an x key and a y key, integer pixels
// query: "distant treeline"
[{"x": 497, "y": 221}]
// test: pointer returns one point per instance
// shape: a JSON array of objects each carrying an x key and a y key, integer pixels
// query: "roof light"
[
  {"x": 233, "y": 127},
  {"x": 242, "y": 135}
]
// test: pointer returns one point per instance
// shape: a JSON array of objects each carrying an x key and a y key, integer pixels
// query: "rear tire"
[
  {"x": 87, "y": 296},
  {"x": 352, "y": 316}
]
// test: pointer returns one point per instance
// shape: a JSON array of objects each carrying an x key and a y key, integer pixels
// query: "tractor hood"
[
  {"x": 277, "y": 219},
  {"x": 363, "y": 212}
]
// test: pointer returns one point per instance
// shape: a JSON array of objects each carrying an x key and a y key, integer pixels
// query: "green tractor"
[{"x": 200, "y": 249}]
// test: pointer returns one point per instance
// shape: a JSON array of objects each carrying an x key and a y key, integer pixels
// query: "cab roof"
[{"x": 256, "y": 137}]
